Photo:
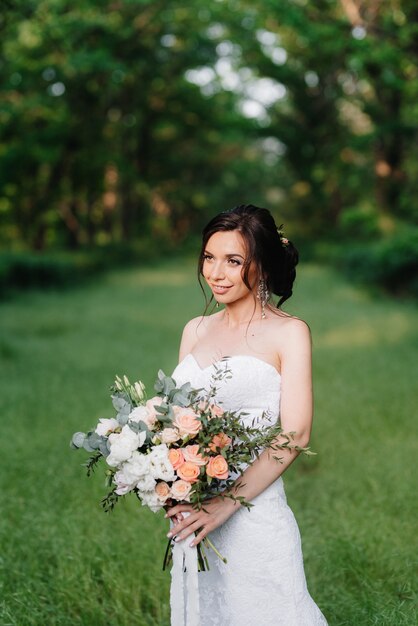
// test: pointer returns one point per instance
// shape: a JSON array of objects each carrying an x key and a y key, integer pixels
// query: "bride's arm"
[{"x": 295, "y": 415}]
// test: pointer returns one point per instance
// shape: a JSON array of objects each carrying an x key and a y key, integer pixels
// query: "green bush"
[
  {"x": 391, "y": 263},
  {"x": 26, "y": 270}
]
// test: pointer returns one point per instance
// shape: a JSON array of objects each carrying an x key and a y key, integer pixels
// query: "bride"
[{"x": 244, "y": 259}]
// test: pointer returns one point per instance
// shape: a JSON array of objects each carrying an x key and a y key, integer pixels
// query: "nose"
[{"x": 217, "y": 271}]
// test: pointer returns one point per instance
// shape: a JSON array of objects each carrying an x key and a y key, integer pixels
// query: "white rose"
[
  {"x": 151, "y": 500},
  {"x": 146, "y": 483},
  {"x": 170, "y": 435},
  {"x": 123, "y": 444},
  {"x": 105, "y": 425},
  {"x": 142, "y": 414},
  {"x": 160, "y": 466},
  {"x": 135, "y": 467}
]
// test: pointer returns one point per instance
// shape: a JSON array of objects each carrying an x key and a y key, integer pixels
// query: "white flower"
[
  {"x": 142, "y": 414},
  {"x": 105, "y": 425},
  {"x": 160, "y": 466},
  {"x": 146, "y": 483},
  {"x": 150, "y": 499},
  {"x": 133, "y": 470},
  {"x": 122, "y": 483},
  {"x": 140, "y": 389},
  {"x": 170, "y": 435},
  {"x": 123, "y": 444},
  {"x": 136, "y": 466}
]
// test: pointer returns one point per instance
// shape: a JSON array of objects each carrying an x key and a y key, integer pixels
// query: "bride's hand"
[{"x": 214, "y": 513}]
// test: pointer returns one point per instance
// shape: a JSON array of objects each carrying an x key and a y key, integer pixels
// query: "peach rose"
[
  {"x": 180, "y": 490},
  {"x": 188, "y": 472},
  {"x": 219, "y": 441},
  {"x": 217, "y": 467},
  {"x": 191, "y": 453},
  {"x": 151, "y": 404},
  {"x": 170, "y": 435},
  {"x": 186, "y": 421},
  {"x": 162, "y": 490},
  {"x": 176, "y": 458},
  {"x": 216, "y": 410}
]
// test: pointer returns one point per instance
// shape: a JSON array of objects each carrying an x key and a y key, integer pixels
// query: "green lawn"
[{"x": 64, "y": 562}]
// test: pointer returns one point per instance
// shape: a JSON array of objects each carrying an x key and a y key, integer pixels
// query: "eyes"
[{"x": 231, "y": 261}]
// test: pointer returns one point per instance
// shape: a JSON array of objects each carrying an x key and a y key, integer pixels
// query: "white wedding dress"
[{"x": 263, "y": 582}]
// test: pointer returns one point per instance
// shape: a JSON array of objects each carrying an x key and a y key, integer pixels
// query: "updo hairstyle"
[{"x": 275, "y": 259}]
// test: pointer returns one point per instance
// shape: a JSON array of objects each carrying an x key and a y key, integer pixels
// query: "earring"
[
  {"x": 263, "y": 296},
  {"x": 217, "y": 305}
]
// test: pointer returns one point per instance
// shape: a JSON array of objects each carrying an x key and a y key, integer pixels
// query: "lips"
[{"x": 220, "y": 289}]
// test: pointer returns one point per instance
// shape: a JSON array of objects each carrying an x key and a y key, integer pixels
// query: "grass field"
[{"x": 64, "y": 562}]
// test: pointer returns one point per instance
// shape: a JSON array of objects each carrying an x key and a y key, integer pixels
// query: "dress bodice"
[{"x": 252, "y": 386}]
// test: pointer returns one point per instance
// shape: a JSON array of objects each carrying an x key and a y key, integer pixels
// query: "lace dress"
[{"x": 263, "y": 582}]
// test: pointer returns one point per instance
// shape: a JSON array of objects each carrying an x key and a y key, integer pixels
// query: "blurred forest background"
[{"x": 125, "y": 125}]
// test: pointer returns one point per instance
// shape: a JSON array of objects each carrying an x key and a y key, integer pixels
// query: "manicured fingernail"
[
  {"x": 169, "y": 535},
  {"x": 191, "y": 544},
  {"x": 177, "y": 539}
]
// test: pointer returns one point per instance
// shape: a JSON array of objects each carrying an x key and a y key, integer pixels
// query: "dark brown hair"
[{"x": 275, "y": 259}]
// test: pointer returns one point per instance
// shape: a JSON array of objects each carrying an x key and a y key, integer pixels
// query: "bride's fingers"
[
  {"x": 179, "y": 508},
  {"x": 178, "y": 528},
  {"x": 200, "y": 535},
  {"x": 197, "y": 525}
]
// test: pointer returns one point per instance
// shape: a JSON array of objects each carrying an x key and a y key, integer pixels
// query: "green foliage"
[
  {"x": 120, "y": 121},
  {"x": 391, "y": 263}
]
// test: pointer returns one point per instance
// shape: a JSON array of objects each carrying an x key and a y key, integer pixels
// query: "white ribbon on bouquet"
[{"x": 184, "y": 592}]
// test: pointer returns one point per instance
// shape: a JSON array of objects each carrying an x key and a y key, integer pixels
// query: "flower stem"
[{"x": 208, "y": 542}]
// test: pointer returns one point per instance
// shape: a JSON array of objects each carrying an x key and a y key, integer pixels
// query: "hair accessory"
[
  {"x": 284, "y": 240},
  {"x": 263, "y": 295}
]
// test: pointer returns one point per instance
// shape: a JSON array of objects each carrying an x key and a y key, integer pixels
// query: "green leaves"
[
  {"x": 123, "y": 406},
  {"x": 165, "y": 386},
  {"x": 77, "y": 440}
]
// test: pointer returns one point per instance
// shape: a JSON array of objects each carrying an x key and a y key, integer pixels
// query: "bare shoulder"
[
  {"x": 296, "y": 329},
  {"x": 290, "y": 332}
]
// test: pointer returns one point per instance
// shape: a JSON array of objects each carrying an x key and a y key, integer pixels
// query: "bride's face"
[{"x": 223, "y": 263}]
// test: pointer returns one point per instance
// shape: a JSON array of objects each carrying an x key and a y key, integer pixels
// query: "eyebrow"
[{"x": 228, "y": 256}]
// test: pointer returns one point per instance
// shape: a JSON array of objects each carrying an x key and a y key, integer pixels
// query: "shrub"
[{"x": 391, "y": 263}]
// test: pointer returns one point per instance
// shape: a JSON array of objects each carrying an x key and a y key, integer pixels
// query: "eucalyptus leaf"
[
  {"x": 168, "y": 385},
  {"x": 165, "y": 419},
  {"x": 94, "y": 440},
  {"x": 122, "y": 418},
  {"x": 78, "y": 440},
  {"x": 87, "y": 446},
  {"x": 121, "y": 403},
  {"x": 104, "y": 449},
  {"x": 138, "y": 427},
  {"x": 179, "y": 398}
]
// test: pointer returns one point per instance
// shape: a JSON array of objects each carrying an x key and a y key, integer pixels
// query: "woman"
[{"x": 244, "y": 259}]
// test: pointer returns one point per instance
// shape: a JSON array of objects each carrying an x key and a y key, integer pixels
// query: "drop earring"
[
  {"x": 263, "y": 296},
  {"x": 217, "y": 305}
]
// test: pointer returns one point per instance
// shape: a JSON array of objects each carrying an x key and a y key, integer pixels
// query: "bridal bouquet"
[{"x": 178, "y": 446}]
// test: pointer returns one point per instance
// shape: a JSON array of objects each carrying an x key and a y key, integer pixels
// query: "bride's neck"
[{"x": 239, "y": 314}]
